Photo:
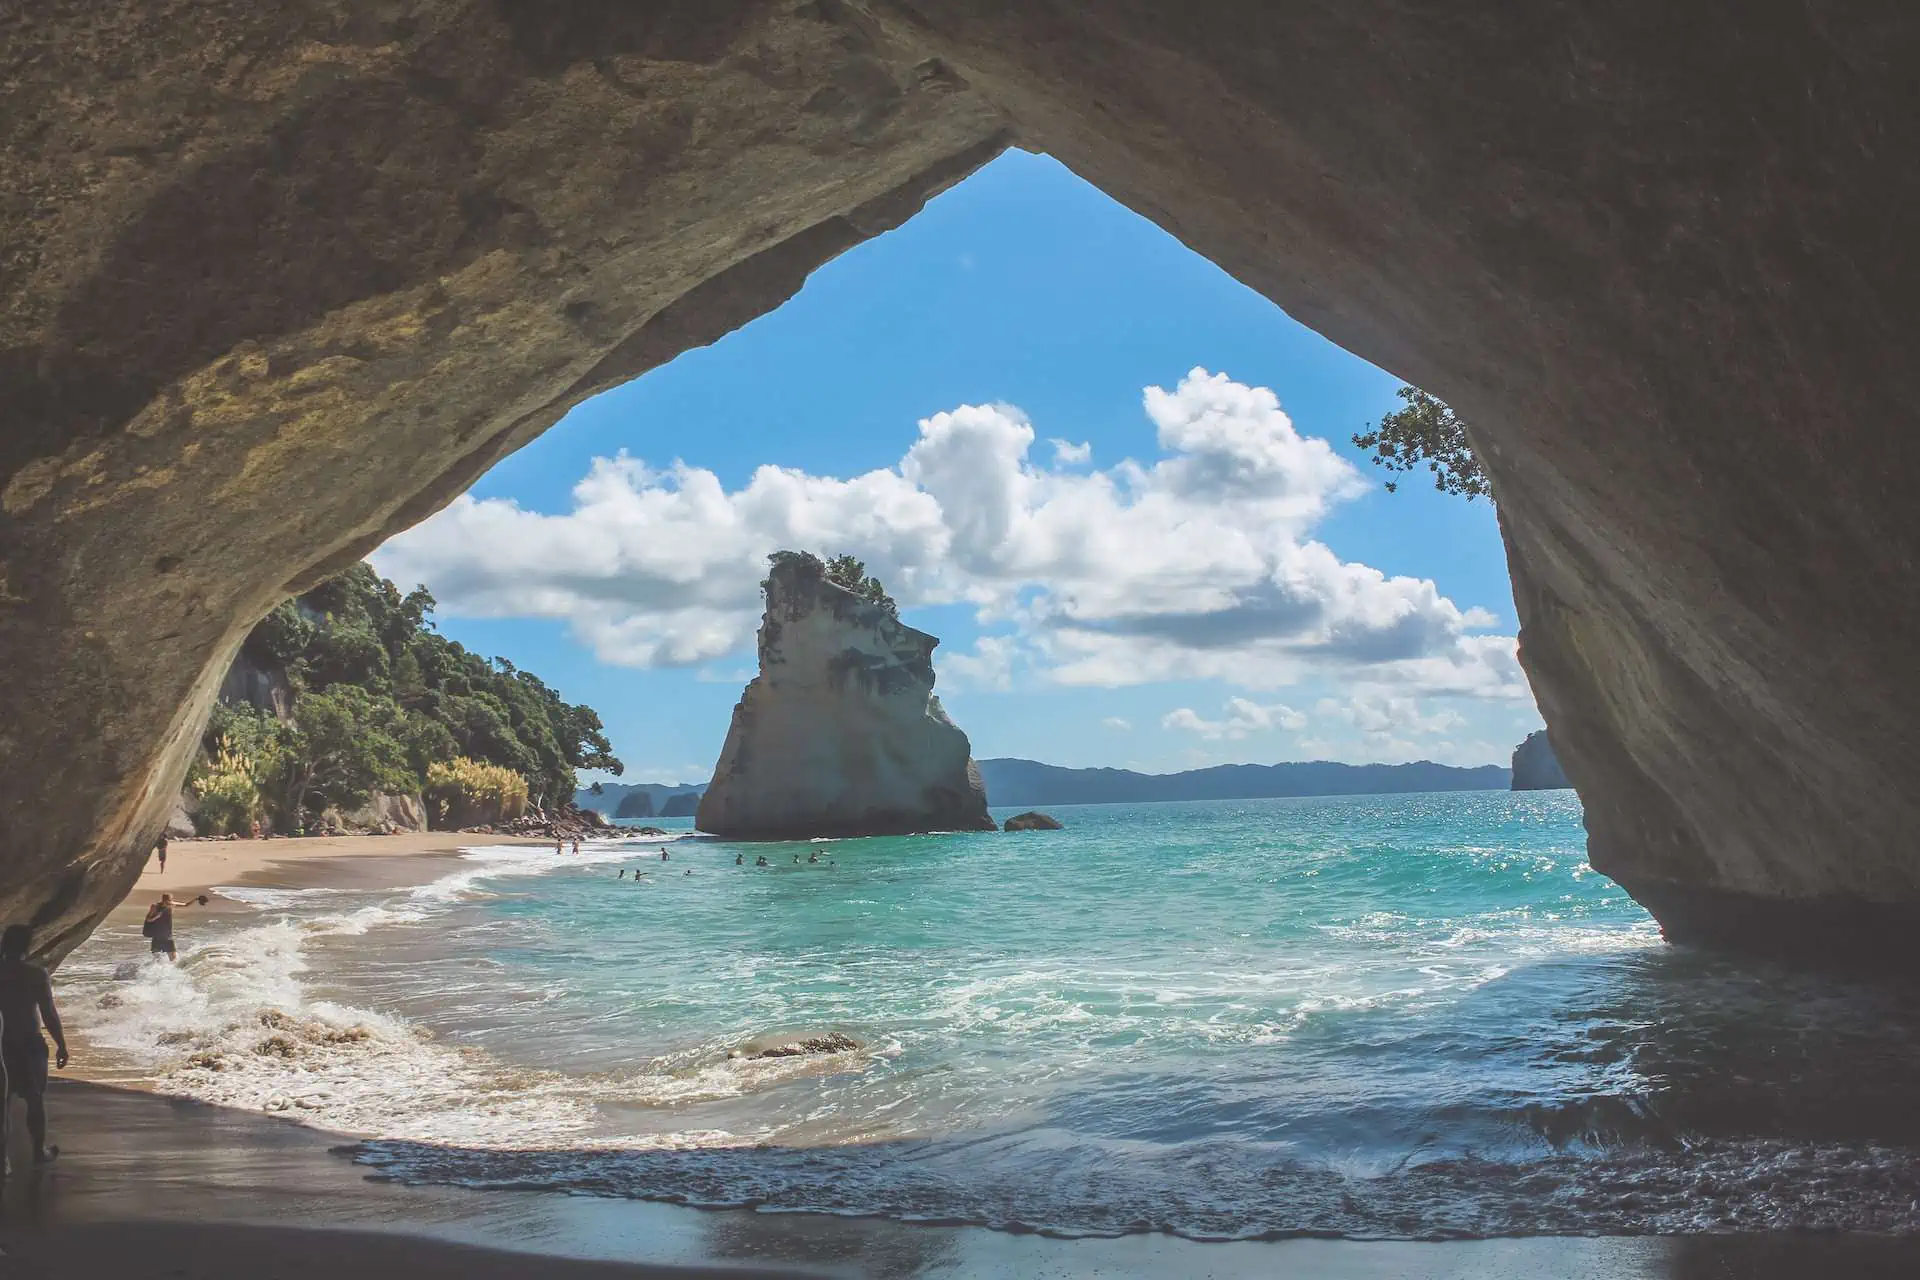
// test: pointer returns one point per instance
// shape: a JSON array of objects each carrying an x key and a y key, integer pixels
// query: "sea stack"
[
  {"x": 840, "y": 734},
  {"x": 1535, "y": 767}
]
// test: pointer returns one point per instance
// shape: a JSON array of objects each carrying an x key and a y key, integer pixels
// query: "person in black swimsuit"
[
  {"x": 159, "y": 923},
  {"x": 26, "y": 997}
]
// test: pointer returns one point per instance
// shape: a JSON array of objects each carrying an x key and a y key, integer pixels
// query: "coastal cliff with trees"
[{"x": 346, "y": 701}]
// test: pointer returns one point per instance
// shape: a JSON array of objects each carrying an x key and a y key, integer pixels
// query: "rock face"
[
  {"x": 1535, "y": 767},
  {"x": 684, "y": 805},
  {"x": 388, "y": 813},
  {"x": 280, "y": 279},
  {"x": 840, "y": 734},
  {"x": 1032, "y": 821}
]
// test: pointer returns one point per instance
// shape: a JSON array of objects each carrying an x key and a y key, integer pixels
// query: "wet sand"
[{"x": 150, "y": 1187}]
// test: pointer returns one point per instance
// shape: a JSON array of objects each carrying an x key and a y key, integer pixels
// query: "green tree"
[
  {"x": 352, "y": 747},
  {"x": 851, "y": 572},
  {"x": 381, "y": 698},
  {"x": 1426, "y": 430}
]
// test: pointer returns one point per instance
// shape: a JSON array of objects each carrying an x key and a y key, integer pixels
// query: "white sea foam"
[{"x": 235, "y": 1023}]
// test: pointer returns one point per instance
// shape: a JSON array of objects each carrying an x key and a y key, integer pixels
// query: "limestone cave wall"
[{"x": 278, "y": 279}]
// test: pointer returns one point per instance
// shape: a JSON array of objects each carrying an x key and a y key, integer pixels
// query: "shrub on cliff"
[
  {"x": 226, "y": 792},
  {"x": 842, "y": 571},
  {"x": 462, "y": 793},
  {"x": 1426, "y": 430}
]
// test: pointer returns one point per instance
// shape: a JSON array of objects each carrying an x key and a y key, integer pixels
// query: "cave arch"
[{"x": 281, "y": 279}]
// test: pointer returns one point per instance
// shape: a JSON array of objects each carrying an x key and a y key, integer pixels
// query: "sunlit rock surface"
[
  {"x": 279, "y": 279},
  {"x": 840, "y": 734}
]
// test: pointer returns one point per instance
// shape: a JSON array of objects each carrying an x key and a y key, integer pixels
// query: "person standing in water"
[
  {"x": 159, "y": 924},
  {"x": 663, "y": 855},
  {"x": 26, "y": 998},
  {"x": 576, "y": 846}
]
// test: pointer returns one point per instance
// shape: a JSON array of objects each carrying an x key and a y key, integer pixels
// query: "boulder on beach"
[
  {"x": 840, "y": 734},
  {"x": 1032, "y": 820}
]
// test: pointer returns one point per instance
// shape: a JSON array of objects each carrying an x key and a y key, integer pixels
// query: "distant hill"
[
  {"x": 1027, "y": 782},
  {"x": 614, "y": 794}
]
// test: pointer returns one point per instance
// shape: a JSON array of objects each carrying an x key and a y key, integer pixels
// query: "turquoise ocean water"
[{"x": 1408, "y": 1016}]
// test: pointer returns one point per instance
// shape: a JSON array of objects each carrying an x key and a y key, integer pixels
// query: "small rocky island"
[
  {"x": 1032, "y": 820},
  {"x": 1535, "y": 767},
  {"x": 840, "y": 734}
]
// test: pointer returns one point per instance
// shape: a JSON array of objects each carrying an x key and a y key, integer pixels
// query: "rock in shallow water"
[
  {"x": 832, "y": 1042},
  {"x": 1033, "y": 820}
]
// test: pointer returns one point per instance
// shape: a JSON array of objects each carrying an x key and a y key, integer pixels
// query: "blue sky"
[{"x": 1216, "y": 602}]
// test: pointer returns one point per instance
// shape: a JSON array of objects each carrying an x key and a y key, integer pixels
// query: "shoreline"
[
  {"x": 150, "y": 1187},
  {"x": 299, "y": 862}
]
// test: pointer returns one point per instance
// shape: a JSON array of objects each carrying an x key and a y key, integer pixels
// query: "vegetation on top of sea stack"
[
  {"x": 1426, "y": 430},
  {"x": 379, "y": 699},
  {"x": 845, "y": 571}
]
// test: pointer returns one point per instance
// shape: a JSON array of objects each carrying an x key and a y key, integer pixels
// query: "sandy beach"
[{"x": 333, "y": 862}]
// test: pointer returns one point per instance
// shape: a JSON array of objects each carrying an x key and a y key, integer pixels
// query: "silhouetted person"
[
  {"x": 158, "y": 925},
  {"x": 160, "y": 852},
  {"x": 622, "y": 875},
  {"x": 663, "y": 855},
  {"x": 761, "y": 861},
  {"x": 739, "y": 859},
  {"x": 814, "y": 856},
  {"x": 26, "y": 997}
]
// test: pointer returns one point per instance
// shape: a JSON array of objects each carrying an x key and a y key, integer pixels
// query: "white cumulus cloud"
[
  {"x": 1243, "y": 717},
  {"x": 1197, "y": 564}
]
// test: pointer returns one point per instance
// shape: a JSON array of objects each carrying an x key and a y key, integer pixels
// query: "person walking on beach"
[
  {"x": 160, "y": 852},
  {"x": 26, "y": 998},
  {"x": 158, "y": 925}
]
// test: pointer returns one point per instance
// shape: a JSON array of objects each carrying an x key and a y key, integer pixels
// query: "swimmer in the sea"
[
  {"x": 760, "y": 861},
  {"x": 814, "y": 856},
  {"x": 689, "y": 870},
  {"x": 663, "y": 855},
  {"x": 739, "y": 859}
]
